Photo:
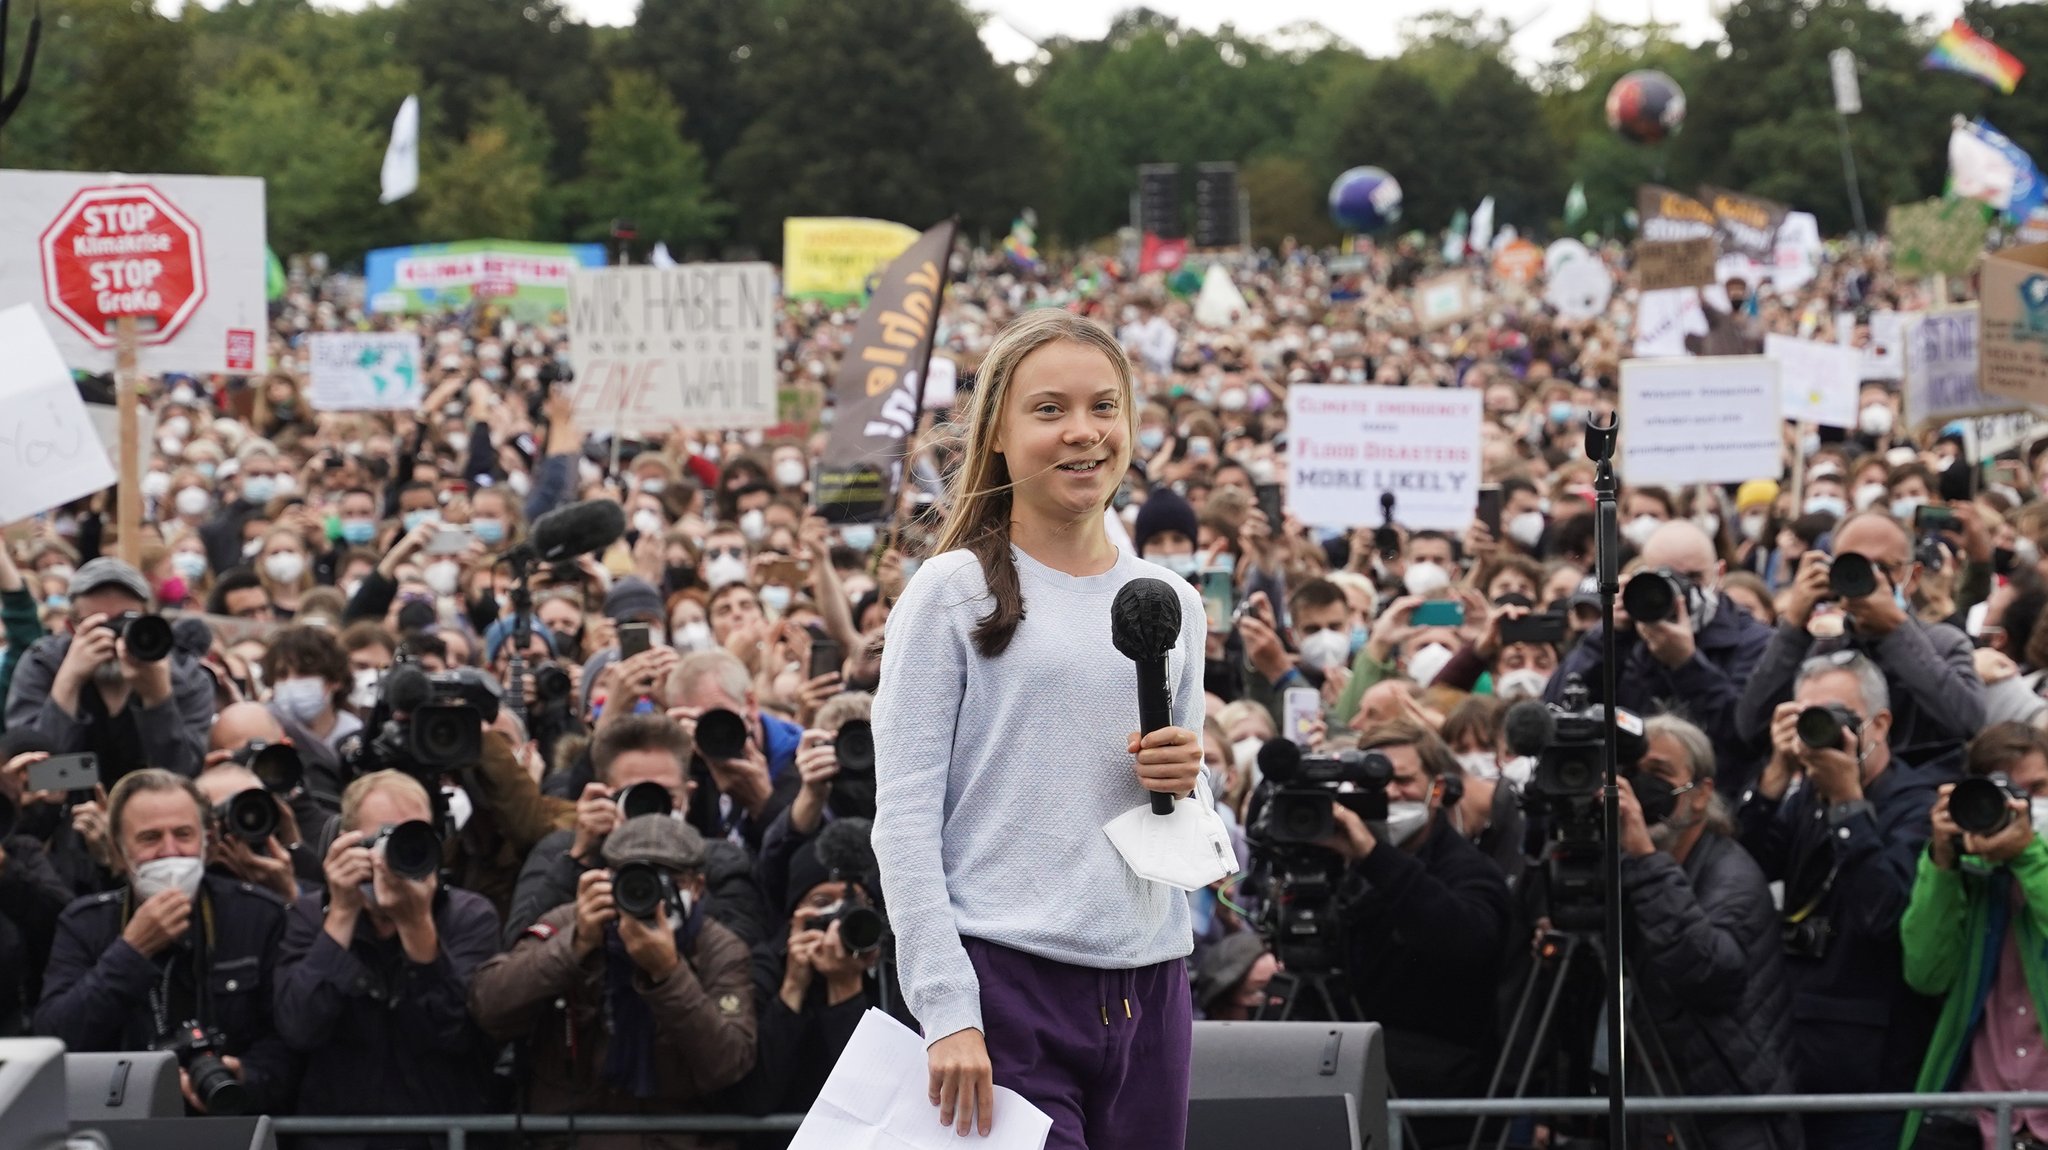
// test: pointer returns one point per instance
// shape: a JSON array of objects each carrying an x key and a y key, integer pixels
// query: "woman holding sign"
[{"x": 1030, "y": 952}]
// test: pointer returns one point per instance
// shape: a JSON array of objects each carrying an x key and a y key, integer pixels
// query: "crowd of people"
[{"x": 641, "y": 881}]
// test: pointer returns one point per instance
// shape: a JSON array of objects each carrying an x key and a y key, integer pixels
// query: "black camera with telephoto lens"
[
  {"x": 249, "y": 815},
  {"x": 412, "y": 849},
  {"x": 853, "y": 788},
  {"x": 645, "y": 798},
  {"x": 550, "y": 684},
  {"x": 1851, "y": 576},
  {"x": 148, "y": 636},
  {"x": 277, "y": 765},
  {"x": 721, "y": 735},
  {"x": 200, "y": 1050},
  {"x": 1824, "y": 725},
  {"x": 1654, "y": 596},
  {"x": 1978, "y": 803},
  {"x": 640, "y": 889},
  {"x": 860, "y": 927}
]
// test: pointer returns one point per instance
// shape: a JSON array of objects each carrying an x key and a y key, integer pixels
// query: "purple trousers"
[{"x": 1104, "y": 1052}]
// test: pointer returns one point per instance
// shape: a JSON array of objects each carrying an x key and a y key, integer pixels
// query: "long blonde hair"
[{"x": 982, "y": 483}]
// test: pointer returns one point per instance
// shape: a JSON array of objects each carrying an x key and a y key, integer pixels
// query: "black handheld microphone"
[
  {"x": 1529, "y": 727},
  {"x": 577, "y": 529},
  {"x": 1144, "y": 623}
]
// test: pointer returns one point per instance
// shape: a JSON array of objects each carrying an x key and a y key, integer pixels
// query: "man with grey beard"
[
  {"x": 1703, "y": 944},
  {"x": 89, "y": 691}
]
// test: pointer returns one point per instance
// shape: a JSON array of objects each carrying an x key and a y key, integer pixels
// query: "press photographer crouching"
[
  {"x": 1972, "y": 935},
  {"x": 1703, "y": 940},
  {"x": 633, "y": 1000},
  {"x": 177, "y": 960},
  {"x": 1420, "y": 916},
  {"x": 1841, "y": 822},
  {"x": 373, "y": 978}
]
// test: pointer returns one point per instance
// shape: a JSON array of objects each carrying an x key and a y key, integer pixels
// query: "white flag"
[
  {"x": 402, "y": 157},
  {"x": 1481, "y": 238},
  {"x": 1978, "y": 171},
  {"x": 659, "y": 257}
]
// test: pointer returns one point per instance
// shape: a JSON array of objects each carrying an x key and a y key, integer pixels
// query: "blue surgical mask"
[
  {"x": 356, "y": 532},
  {"x": 413, "y": 519},
  {"x": 910, "y": 567},
  {"x": 1151, "y": 439},
  {"x": 489, "y": 532},
  {"x": 205, "y": 468},
  {"x": 1899, "y": 597},
  {"x": 775, "y": 599},
  {"x": 1359, "y": 634},
  {"x": 859, "y": 536},
  {"x": 259, "y": 488},
  {"x": 1183, "y": 565},
  {"x": 1561, "y": 411}
]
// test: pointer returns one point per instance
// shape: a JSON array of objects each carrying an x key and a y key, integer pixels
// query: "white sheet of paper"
[
  {"x": 875, "y": 1100},
  {"x": 49, "y": 454}
]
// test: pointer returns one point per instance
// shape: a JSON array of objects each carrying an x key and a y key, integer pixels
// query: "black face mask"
[
  {"x": 677, "y": 577},
  {"x": 567, "y": 643},
  {"x": 2003, "y": 560}
]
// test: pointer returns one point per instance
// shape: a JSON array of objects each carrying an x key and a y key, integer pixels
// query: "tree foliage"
[{"x": 640, "y": 167}]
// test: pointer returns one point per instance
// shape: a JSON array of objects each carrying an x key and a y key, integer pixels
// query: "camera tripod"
[
  {"x": 1311, "y": 996},
  {"x": 1577, "y": 954}
]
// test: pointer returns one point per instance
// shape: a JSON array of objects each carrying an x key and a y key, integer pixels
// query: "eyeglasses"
[{"x": 716, "y": 552}]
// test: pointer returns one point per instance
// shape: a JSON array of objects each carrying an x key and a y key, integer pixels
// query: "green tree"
[
  {"x": 887, "y": 108},
  {"x": 483, "y": 189},
  {"x": 1399, "y": 125},
  {"x": 640, "y": 167},
  {"x": 2021, "y": 29},
  {"x": 1497, "y": 144},
  {"x": 1287, "y": 200},
  {"x": 1586, "y": 63},
  {"x": 702, "y": 51},
  {"x": 461, "y": 46},
  {"x": 112, "y": 89}
]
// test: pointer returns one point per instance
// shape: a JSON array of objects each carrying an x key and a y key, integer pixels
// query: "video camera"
[
  {"x": 1296, "y": 804},
  {"x": 434, "y": 721},
  {"x": 1567, "y": 743}
]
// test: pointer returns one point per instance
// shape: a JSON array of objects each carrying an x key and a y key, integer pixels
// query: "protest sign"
[
  {"x": 877, "y": 393},
  {"x": 654, "y": 346},
  {"x": 1663, "y": 321},
  {"x": 1705, "y": 420},
  {"x": 1941, "y": 368},
  {"x": 49, "y": 454},
  {"x": 830, "y": 258},
  {"x": 1667, "y": 216},
  {"x": 181, "y": 255},
  {"x": 1577, "y": 285},
  {"x": 1747, "y": 225},
  {"x": 2013, "y": 324},
  {"x": 365, "y": 371},
  {"x": 941, "y": 383},
  {"x": 1518, "y": 261},
  {"x": 1819, "y": 382},
  {"x": 1882, "y": 354},
  {"x": 1661, "y": 265},
  {"x": 1445, "y": 300},
  {"x": 1350, "y": 445},
  {"x": 1936, "y": 237},
  {"x": 530, "y": 281}
]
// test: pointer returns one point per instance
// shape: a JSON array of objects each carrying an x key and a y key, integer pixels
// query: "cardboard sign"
[
  {"x": 1350, "y": 445},
  {"x": 1820, "y": 382},
  {"x": 2014, "y": 323},
  {"x": 365, "y": 371},
  {"x": 49, "y": 454},
  {"x": 1941, "y": 368},
  {"x": 654, "y": 347},
  {"x": 1445, "y": 300},
  {"x": 1662, "y": 264},
  {"x": 182, "y": 255},
  {"x": 1705, "y": 420}
]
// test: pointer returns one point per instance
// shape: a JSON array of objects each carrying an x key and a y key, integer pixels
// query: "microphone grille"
[
  {"x": 1144, "y": 621},
  {"x": 1529, "y": 727}
]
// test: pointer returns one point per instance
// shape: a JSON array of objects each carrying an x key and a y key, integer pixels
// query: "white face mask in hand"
[
  {"x": 176, "y": 873},
  {"x": 1188, "y": 849}
]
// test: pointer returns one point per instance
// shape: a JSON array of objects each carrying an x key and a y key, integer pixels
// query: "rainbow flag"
[{"x": 1961, "y": 50}]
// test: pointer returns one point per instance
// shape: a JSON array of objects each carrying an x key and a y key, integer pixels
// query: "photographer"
[
  {"x": 1981, "y": 890},
  {"x": 1424, "y": 917},
  {"x": 176, "y": 950},
  {"x": 627, "y": 1013},
  {"x": 373, "y": 978},
  {"x": 1930, "y": 674},
  {"x": 740, "y": 793},
  {"x": 267, "y": 864},
  {"x": 1844, "y": 842},
  {"x": 628, "y": 752},
  {"x": 88, "y": 691},
  {"x": 1703, "y": 937},
  {"x": 837, "y": 782},
  {"x": 1693, "y": 660}
]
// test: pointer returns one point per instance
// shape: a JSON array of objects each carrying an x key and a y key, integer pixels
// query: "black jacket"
[
  {"x": 97, "y": 989},
  {"x": 1703, "y": 944},
  {"x": 1424, "y": 936},
  {"x": 171, "y": 735},
  {"x": 1937, "y": 700},
  {"x": 381, "y": 1034},
  {"x": 798, "y": 1048},
  {"x": 1705, "y": 689},
  {"x": 1856, "y": 1027},
  {"x": 32, "y": 895},
  {"x": 549, "y": 877}
]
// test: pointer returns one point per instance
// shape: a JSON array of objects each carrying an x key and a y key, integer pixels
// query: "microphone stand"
[
  {"x": 522, "y": 631},
  {"x": 1606, "y": 550}
]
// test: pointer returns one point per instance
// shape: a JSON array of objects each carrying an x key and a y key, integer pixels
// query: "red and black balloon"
[{"x": 1646, "y": 106}]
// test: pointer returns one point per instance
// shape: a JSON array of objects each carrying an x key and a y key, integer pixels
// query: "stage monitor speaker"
[
  {"x": 124, "y": 1086},
  {"x": 32, "y": 1094},
  {"x": 250, "y": 1133},
  {"x": 1302, "y": 1085}
]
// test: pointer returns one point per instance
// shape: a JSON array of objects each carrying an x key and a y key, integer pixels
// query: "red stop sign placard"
[{"x": 123, "y": 251}]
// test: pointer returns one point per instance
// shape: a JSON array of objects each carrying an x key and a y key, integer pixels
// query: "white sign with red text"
[
  {"x": 1348, "y": 446},
  {"x": 694, "y": 343},
  {"x": 181, "y": 255}
]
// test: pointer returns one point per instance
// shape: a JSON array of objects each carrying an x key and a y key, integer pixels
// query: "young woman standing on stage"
[{"x": 1004, "y": 740}]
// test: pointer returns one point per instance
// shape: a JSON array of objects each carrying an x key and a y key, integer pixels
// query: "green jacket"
[
  {"x": 24, "y": 625},
  {"x": 1952, "y": 933}
]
